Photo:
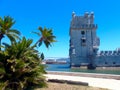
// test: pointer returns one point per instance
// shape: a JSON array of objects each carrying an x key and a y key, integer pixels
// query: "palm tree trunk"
[
  {"x": 39, "y": 41},
  {"x": 35, "y": 45},
  {"x": 1, "y": 36},
  {"x": 0, "y": 45}
]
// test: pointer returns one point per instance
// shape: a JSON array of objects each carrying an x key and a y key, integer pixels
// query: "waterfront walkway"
[{"x": 111, "y": 84}]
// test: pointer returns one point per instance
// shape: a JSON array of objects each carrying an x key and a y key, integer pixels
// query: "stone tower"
[{"x": 84, "y": 42}]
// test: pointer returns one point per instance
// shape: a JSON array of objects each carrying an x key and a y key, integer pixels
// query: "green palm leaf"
[
  {"x": 46, "y": 36},
  {"x": 6, "y": 24}
]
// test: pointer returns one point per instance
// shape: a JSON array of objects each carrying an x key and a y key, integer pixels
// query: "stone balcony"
[{"x": 84, "y": 26}]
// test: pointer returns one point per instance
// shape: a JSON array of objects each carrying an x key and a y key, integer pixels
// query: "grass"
[{"x": 60, "y": 86}]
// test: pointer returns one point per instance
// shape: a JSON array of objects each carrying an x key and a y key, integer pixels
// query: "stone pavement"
[{"x": 111, "y": 84}]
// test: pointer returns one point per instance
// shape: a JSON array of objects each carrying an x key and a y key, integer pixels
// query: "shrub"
[{"x": 20, "y": 66}]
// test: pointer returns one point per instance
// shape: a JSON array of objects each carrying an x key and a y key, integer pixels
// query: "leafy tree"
[
  {"x": 20, "y": 66},
  {"x": 6, "y": 24},
  {"x": 20, "y": 62},
  {"x": 46, "y": 37}
]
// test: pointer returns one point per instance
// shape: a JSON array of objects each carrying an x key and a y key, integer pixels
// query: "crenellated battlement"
[
  {"x": 83, "y": 22},
  {"x": 109, "y": 53},
  {"x": 86, "y": 15}
]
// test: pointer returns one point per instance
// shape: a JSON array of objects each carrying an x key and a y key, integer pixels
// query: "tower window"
[
  {"x": 83, "y": 40},
  {"x": 83, "y": 32}
]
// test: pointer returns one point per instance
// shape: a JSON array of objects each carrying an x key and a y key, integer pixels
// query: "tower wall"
[
  {"x": 82, "y": 39},
  {"x": 108, "y": 59}
]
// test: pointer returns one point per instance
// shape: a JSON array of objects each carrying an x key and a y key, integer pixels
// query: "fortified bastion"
[{"x": 84, "y": 44}]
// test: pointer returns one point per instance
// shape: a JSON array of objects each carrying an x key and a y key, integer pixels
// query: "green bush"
[{"x": 20, "y": 66}]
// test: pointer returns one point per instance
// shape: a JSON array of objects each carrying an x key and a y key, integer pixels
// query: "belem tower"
[{"x": 84, "y": 44}]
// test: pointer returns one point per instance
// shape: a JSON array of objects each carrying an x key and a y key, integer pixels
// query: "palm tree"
[
  {"x": 20, "y": 66},
  {"x": 46, "y": 37},
  {"x": 5, "y": 29}
]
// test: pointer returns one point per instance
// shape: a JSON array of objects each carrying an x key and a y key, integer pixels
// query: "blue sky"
[{"x": 56, "y": 14}]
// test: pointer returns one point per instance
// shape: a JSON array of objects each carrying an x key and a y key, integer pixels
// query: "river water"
[{"x": 66, "y": 68}]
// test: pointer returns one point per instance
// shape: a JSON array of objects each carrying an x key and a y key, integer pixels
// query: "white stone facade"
[{"x": 84, "y": 44}]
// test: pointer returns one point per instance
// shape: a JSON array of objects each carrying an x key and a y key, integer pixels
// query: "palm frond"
[
  {"x": 6, "y": 24},
  {"x": 12, "y": 39},
  {"x": 46, "y": 36},
  {"x": 40, "y": 28},
  {"x": 6, "y": 45},
  {"x": 36, "y": 33},
  {"x": 14, "y": 31}
]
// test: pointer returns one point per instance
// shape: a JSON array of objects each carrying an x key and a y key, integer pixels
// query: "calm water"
[{"x": 66, "y": 68}]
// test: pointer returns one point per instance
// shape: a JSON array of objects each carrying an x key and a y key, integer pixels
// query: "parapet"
[
  {"x": 83, "y": 22},
  {"x": 109, "y": 53},
  {"x": 89, "y": 15},
  {"x": 86, "y": 15},
  {"x": 73, "y": 14},
  {"x": 92, "y": 15}
]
